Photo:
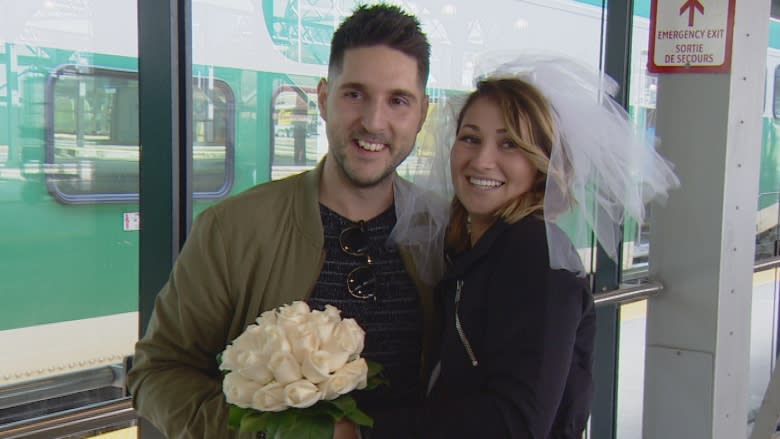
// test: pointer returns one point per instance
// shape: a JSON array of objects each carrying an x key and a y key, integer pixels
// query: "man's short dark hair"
[{"x": 381, "y": 24}]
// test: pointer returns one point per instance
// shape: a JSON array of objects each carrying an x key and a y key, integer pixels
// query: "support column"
[{"x": 702, "y": 243}]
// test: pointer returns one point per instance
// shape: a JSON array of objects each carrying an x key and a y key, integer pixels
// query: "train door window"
[
  {"x": 776, "y": 95},
  {"x": 213, "y": 109},
  {"x": 297, "y": 133},
  {"x": 92, "y": 152}
]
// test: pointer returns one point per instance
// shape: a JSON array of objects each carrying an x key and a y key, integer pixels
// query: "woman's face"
[{"x": 488, "y": 170}]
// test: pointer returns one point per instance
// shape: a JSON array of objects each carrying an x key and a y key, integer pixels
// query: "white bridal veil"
[{"x": 602, "y": 168}]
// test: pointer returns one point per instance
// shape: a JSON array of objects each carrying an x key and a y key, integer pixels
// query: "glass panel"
[
  {"x": 643, "y": 87},
  {"x": 641, "y": 106},
  {"x": 767, "y": 233},
  {"x": 764, "y": 313},
  {"x": 763, "y": 337},
  {"x": 631, "y": 370},
  {"x": 69, "y": 266}
]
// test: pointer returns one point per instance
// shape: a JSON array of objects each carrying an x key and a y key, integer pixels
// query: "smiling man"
[
  {"x": 374, "y": 104},
  {"x": 320, "y": 236}
]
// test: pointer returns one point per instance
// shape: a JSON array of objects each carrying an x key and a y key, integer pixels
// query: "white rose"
[
  {"x": 284, "y": 367},
  {"x": 352, "y": 376},
  {"x": 271, "y": 339},
  {"x": 304, "y": 342},
  {"x": 250, "y": 340},
  {"x": 301, "y": 394},
  {"x": 315, "y": 366},
  {"x": 336, "y": 360},
  {"x": 347, "y": 337},
  {"x": 239, "y": 390},
  {"x": 325, "y": 321},
  {"x": 293, "y": 316},
  {"x": 230, "y": 358},
  {"x": 254, "y": 366},
  {"x": 359, "y": 370},
  {"x": 269, "y": 398},
  {"x": 267, "y": 318}
]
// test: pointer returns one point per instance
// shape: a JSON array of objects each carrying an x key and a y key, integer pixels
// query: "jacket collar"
[
  {"x": 306, "y": 206},
  {"x": 470, "y": 257}
]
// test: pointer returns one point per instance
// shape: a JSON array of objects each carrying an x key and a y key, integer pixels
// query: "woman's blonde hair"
[{"x": 530, "y": 125}]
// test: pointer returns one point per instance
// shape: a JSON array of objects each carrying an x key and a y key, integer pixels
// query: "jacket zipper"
[{"x": 459, "y": 327}]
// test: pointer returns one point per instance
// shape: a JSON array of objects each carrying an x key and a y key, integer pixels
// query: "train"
[{"x": 69, "y": 140}]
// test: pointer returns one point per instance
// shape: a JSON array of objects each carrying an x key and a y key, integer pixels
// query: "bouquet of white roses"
[{"x": 289, "y": 374}]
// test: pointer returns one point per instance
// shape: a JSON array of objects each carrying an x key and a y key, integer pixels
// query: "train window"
[
  {"x": 92, "y": 152},
  {"x": 296, "y": 131},
  {"x": 776, "y": 94},
  {"x": 213, "y": 107}
]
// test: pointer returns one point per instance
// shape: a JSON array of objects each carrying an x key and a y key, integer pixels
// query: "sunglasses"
[{"x": 361, "y": 282}]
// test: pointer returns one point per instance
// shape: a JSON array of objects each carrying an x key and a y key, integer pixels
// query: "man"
[{"x": 320, "y": 236}]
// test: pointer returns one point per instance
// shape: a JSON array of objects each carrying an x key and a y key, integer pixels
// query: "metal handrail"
[
  {"x": 767, "y": 264},
  {"x": 61, "y": 385},
  {"x": 119, "y": 412},
  {"x": 628, "y": 294},
  {"x": 647, "y": 289}
]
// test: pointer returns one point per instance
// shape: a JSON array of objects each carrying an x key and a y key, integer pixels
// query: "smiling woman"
[{"x": 493, "y": 163}]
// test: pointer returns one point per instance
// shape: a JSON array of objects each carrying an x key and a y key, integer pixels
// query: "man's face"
[{"x": 373, "y": 109}]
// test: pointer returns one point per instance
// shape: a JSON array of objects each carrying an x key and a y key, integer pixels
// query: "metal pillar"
[
  {"x": 165, "y": 94},
  {"x": 698, "y": 331}
]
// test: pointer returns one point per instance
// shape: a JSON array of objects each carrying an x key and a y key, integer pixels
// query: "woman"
[
  {"x": 518, "y": 336},
  {"x": 518, "y": 327}
]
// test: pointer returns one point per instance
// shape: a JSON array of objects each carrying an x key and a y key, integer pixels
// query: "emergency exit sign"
[{"x": 690, "y": 36}]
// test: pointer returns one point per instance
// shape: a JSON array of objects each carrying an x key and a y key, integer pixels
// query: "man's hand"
[{"x": 345, "y": 429}]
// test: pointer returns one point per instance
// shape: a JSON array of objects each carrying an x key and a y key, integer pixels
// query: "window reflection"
[
  {"x": 298, "y": 138},
  {"x": 92, "y": 152}
]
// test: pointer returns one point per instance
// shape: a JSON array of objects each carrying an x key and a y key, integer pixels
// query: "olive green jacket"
[{"x": 253, "y": 252}]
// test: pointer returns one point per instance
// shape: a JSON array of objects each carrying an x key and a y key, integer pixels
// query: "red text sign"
[{"x": 690, "y": 36}]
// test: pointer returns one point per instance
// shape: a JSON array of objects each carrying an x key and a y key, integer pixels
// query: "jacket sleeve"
[
  {"x": 175, "y": 381},
  {"x": 532, "y": 318}
]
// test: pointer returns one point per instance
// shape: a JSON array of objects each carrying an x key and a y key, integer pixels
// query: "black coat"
[{"x": 531, "y": 330}]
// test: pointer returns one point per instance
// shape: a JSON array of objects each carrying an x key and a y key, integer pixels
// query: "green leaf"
[
  {"x": 283, "y": 421},
  {"x": 374, "y": 368},
  {"x": 308, "y": 427},
  {"x": 324, "y": 408},
  {"x": 275, "y": 421},
  {"x": 350, "y": 410},
  {"x": 256, "y": 421},
  {"x": 345, "y": 403},
  {"x": 360, "y": 417},
  {"x": 376, "y": 381},
  {"x": 375, "y": 376},
  {"x": 235, "y": 414}
]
